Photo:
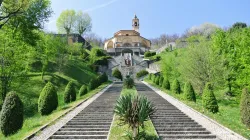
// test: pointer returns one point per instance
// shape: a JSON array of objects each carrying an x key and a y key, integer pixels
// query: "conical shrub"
[
  {"x": 189, "y": 93},
  {"x": 153, "y": 78},
  {"x": 48, "y": 100},
  {"x": 161, "y": 80},
  {"x": 166, "y": 84},
  {"x": 209, "y": 101},
  {"x": 83, "y": 90},
  {"x": 157, "y": 79},
  {"x": 150, "y": 76},
  {"x": 176, "y": 87},
  {"x": 69, "y": 93},
  {"x": 245, "y": 107},
  {"x": 11, "y": 117}
]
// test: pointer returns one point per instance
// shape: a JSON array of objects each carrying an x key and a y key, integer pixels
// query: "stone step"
[
  {"x": 82, "y": 133},
  {"x": 89, "y": 123},
  {"x": 78, "y": 137},
  {"x": 174, "y": 123},
  {"x": 188, "y": 136},
  {"x": 180, "y": 129},
  {"x": 86, "y": 126},
  {"x": 164, "y": 133},
  {"x": 92, "y": 120},
  {"x": 84, "y": 129},
  {"x": 167, "y": 120},
  {"x": 170, "y": 126}
]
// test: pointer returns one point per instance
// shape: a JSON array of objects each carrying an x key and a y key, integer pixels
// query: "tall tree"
[
  {"x": 65, "y": 22},
  {"x": 238, "y": 25},
  {"x": 83, "y": 23}
]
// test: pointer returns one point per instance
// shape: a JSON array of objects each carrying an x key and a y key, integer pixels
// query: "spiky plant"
[{"x": 133, "y": 110}]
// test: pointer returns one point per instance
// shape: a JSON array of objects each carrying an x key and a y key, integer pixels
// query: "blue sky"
[{"x": 156, "y": 16}]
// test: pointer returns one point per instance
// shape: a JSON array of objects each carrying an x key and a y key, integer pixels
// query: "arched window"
[
  {"x": 110, "y": 44},
  {"x": 127, "y": 45}
]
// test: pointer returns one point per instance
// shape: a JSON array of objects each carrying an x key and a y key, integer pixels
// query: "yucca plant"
[{"x": 133, "y": 110}]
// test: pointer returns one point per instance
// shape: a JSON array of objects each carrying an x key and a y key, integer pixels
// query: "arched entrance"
[{"x": 127, "y": 55}]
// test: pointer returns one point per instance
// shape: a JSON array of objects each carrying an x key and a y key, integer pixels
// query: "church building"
[{"x": 128, "y": 41}]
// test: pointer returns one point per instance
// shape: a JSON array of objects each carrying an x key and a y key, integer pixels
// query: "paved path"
[{"x": 169, "y": 121}]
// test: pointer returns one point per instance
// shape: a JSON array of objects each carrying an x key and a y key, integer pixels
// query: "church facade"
[{"x": 128, "y": 41}]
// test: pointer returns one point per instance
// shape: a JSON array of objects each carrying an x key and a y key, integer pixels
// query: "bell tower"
[{"x": 135, "y": 23}]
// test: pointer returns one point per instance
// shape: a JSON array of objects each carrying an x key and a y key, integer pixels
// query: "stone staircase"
[
  {"x": 94, "y": 121},
  {"x": 169, "y": 121}
]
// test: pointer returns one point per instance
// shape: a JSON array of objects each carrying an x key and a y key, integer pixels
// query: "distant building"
[{"x": 76, "y": 38}]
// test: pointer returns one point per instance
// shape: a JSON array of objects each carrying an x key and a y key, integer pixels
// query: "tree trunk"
[{"x": 135, "y": 131}]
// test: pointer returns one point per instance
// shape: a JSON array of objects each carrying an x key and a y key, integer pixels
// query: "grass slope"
[
  {"x": 119, "y": 132},
  {"x": 29, "y": 90},
  {"x": 228, "y": 115}
]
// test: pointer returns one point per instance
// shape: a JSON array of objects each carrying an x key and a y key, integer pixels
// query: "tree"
[
  {"x": 189, "y": 93},
  {"x": 117, "y": 74},
  {"x": 11, "y": 118},
  {"x": 209, "y": 101},
  {"x": 66, "y": 21},
  {"x": 69, "y": 93},
  {"x": 83, "y": 23},
  {"x": 83, "y": 90},
  {"x": 176, "y": 87},
  {"x": 245, "y": 107},
  {"x": 161, "y": 80},
  {"x": 205, "y": 30},
  {"x": 239, "y": 25},
  {"x": 133, "y": 110},
  {"x": 166, "y": 84},
  {"x": 48, "y": 100}
]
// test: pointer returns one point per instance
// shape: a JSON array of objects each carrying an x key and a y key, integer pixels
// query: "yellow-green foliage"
[
  {"x": 176, "y": 87},
  {"x": 69, "y": 93},
  {"x": 189, "y": 93},
  {"x": 245, "y": 107},
  {"x": 209, "y": 101}
]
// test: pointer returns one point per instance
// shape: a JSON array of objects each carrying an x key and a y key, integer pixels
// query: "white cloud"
[{"x": 100, "y": 6}]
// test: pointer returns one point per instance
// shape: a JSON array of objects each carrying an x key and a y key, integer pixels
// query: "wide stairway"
[
  {"x": 170, "y": 122},
  {"x": 94, "y": 121}
]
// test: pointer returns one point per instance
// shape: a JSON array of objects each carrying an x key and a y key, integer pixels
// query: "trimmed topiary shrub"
[
  {"x": 103, "y": 78},
  {"x": 94, "y": 83},
  {"x": 161, "y": 80},
  {"x": 128, "y": 83},
  {"x": 141, "y": 73},
  {"x": 150, "y": 76},
  {"x": 117, "y": 74},
  {"x": 245, "y": 107},
  {"x": 209, "y": 101},
  {"x": 11, "y": 117},
  {"x": 166, "y": 84},
  {"x": 157, "y": 79},
  {"x": 189, "y": 92},
  {"x": 176, "y": 87},
  {"x": 48, "y": 100},
  {"x": 83, "y": 90},
  {"x": 69, "y": 93},
  {"x": 153, "y": 78}
]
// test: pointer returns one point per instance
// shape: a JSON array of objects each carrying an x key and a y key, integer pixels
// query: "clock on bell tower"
[{"x": 135, "y": 24}]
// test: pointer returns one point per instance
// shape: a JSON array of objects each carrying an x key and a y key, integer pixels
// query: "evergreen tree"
[
  {"x": 166, "y": 84},
  {"x": 189, "y": 93},
  {"x": 70, "y": 93},
  {"x": 209, "y": 101},
  {"x": 83, "y": 90},
  {"x": 245, "y": 107},
  {"x": 176, "y": 87},
  {"x": 161, "y": 80}
]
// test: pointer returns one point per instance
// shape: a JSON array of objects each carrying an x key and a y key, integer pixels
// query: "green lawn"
[
  {"x": 118, "y": 132},
  {"x": 228, "y": 115}
]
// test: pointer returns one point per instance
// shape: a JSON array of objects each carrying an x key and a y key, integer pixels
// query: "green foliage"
[
  {"x": 161, "y": 80},
  {"x": 239, "y": 25},
  {"x": 66, "y": 21},
  {"x": 189, "y": 93},
  {"x": 157, "y": 79},
  {"x": 83, "y": 90},
  {"x": 166, "y": 84},
  {"x": 11, "y": 117},
  {"x": 245, "y": 107},
  {"x": 117, "y": 74},
  {"x": 141, "y": 73},
  {"x": 128, "y": 83},
  {"x": 103, "y": 78},
  {"x": 149, "y": 54},
  {"x": 176, "y": 87},
  {"x": 209, "y": 101},
  {"x": 69, "y": 93},
  {"x": 134, "y": 111},
  {"x": 98, "y": 57},
  {"x": 48, "y": 100},
  {"x": 150, "y": 76},
  {"x": 94, "y": 83},
  {"x": 153, "y": 78}
]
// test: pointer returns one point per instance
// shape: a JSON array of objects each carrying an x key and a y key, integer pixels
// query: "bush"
[
  {"x": 150, "y": 76},
  {"x": 141, "y": 73},
  {"x": 157, "y": 79},
  {"x": 176, "y": 87},
  {"x": 94, "y": 83},
  {"x": 189, "y": 92},
  {"x": 104, "y": 78},
  {"x": 128, "y": 83},
  {"x": 149, "y": 54},
  {"x": 48, "y": 100},
  {"x": 153, "y": 78},
  {"x": 209, "y": 101},
  {"x": 166, "y": 84},
  {"x": 69, "y": 93},
  {"x": 245, "y": 107},
  {"x": 11, "y": 118},
  {"x": 117, "y": 74},
  {"x": 83, "y": 90},
  {"x": 161, "y": 80}
]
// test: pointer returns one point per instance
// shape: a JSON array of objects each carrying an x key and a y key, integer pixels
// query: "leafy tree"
[
  {"x": 98, "y": 57},
  {"x": 239, "y": 25},
  {"x": 245, "y": 107},
  {"x": 11, "y": 118},
  {"x": 189, "y": 93},
  {"x": 69, "y": 93},
  {"x": 166, "y": 84},
  {"x": 209, "y": 101},
  {"x": 48, "y": 100},
  {"x": 83, "y": 90},
  {"x": 134, "y": 111},
  {"x": 117, "y": 74},
  {"x": 83, "y": 23},
  {"x": 66, "y": 21},
  {"x": 176, "y": 87}
]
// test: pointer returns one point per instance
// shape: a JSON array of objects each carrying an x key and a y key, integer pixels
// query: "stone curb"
[
  {"x": 208, "y": 123},
  {"x": 67, "y": 112}
]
